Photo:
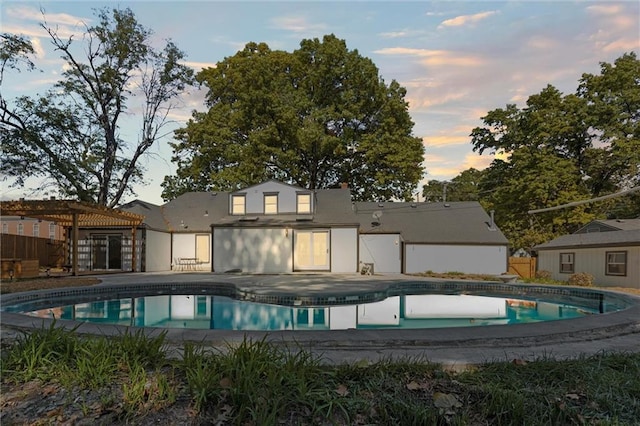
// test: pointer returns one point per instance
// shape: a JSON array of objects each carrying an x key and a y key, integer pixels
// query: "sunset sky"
[{"x": 457, "y": 59}]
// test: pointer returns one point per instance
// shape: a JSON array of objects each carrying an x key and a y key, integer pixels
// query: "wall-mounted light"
[{"x": 206, "y": 213}]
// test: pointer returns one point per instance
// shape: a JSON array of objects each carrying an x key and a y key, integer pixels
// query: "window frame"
[
  {"x": 572, "y": 263},
  {"x": 298, "y": 203},
  {"x": 235, "y": 205},
  {"x": 36, "y": 229},
  {"x": 52, "y": 231},
  {"x": 608, "y": 264},
  {"x": 270, "y": 196},
  {"x": 20, "y": 228}
]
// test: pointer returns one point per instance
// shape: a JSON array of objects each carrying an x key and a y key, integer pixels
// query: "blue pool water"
[{"x": 224, "y": 313}]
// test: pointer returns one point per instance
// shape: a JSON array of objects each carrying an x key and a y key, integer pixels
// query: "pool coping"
[{"x": 569, "y": 337}]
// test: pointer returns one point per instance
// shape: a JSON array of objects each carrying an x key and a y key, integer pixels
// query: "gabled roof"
[
  {"x": 609, "y": 225},
  {"x": 195, "y": 211},
  {"x": 594, "y": 239},
  {"x": 434, "y": 223}
]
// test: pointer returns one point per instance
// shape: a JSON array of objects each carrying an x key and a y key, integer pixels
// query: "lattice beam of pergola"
[{"x": 74, "y": 215}]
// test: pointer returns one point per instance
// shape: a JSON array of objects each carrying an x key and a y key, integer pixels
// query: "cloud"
[
  {"x": 466, "y": 19},
  {"x": 442, "y": 58},
  {"x": 445, "y": 140},
  {"x": 296, "y": 24},
  {"x": 198, "y": 66},
  {"x": 394, "y": 34},
  {"x": 602, "y": 9}
]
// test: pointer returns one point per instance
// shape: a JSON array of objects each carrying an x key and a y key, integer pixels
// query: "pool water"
[{"x": 224, "y": 313}]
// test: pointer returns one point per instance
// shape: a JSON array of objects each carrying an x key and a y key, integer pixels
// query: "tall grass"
[{"x": 258, "y": 382}]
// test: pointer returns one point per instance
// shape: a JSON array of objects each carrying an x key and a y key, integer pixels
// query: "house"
[
  {"x": 31, "y": 227},
  {"x": 273, "y": 227},
  {"x": 607, "y": 249},
  {"x": 438, "y": 237}
]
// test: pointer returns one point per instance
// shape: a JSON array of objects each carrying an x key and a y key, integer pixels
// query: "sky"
[{"x": 457, "y": 59}]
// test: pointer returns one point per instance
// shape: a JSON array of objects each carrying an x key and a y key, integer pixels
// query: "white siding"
[
  {"x": 384, "y": 251},
  {"x": 158, "y": 251},
  {"x": 455, "y": 258},
  {"x": 253, "y": 250},
  {"x": 593, "y": 261},
  {"x": 344, "y": 250}
]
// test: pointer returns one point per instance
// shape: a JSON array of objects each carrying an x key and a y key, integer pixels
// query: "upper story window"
[
  {"x": 238, "y": 204},
  {"x": 303, "y": 203},
  {"x": 567, "y": 263},
  {"x": 21, "y": 229},
  {"x": 52, "y": 231},
  {"x": 5, "y": 228},
  {"x": 36, "y": 229},
  {"x": 616, "y": 263},
  {"x": 270, "y": 203}
]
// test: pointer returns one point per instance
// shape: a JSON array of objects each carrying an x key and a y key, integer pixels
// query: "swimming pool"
[
  {"x": 617, "y": 328},
  {"x": 406, "y": 311}
]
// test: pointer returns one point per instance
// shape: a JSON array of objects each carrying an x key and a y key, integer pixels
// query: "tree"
[
  {"x": 464, "y": 187},
  {"x": 317, "y": 117},
  {"x": 15, "y": 50},
  {"x": 562, "y": 149},
  {"x": 71, "y": 134}
]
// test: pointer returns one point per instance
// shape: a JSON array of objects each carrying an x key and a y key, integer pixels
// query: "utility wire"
[{"x": 577, "y": 203}]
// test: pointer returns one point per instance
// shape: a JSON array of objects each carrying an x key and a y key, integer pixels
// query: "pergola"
[{"x": 75, "y": 215}]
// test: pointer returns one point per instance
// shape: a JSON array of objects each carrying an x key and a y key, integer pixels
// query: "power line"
[{"x": 577, "y": 203}]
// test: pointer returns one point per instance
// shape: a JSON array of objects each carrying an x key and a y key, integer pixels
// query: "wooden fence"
[
  {"x": 49, "y": 253},
  {"x": 525, "y": 267}
]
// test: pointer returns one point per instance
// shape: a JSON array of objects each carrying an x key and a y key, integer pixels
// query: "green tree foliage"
[
  {"x": 564, "y": 148},
  {"x": 464, "y": 187},
  {"x": 316, "y": 117},
  {"x": 14, "y": 51},
  {"x": 71, "y": 134}
]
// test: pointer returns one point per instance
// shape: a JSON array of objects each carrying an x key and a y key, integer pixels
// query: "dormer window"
[
  {"x": 270, "y": 203},
  {"x": 238, "y": 204},
  {"x": 303, "y": 203}
]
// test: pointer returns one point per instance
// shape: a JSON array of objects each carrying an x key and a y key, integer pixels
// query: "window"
[
  {"x": 304, "y": 203},
  {"x": 237, "y": 204},
  {"x": 52, "y": 231},
  {"x": 5, "y": 228},
  {"x": 616, "y": 263},
  {"x": 36, "y": 229},
  {"x": 20, "y": 229},
  {"x": 566, "y": 263},
  {"x": 270, "y": 203}
]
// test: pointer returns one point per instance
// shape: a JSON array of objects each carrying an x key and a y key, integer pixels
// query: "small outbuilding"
[{"x": 607, "y": 249}]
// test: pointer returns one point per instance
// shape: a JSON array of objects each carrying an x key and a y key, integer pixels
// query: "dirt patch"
[{"x": 46, "y": 283}]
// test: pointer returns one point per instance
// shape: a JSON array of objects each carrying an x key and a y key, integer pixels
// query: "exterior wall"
[
  {"x": 477, "y": 259},
  {"x": 384, "y": 251},
  {"x": 344, "y": 250},
  {"x": 593, "y": 261},
  {"x": 253, "y": 250},
  {"x": 158, "y": 251},
  {"x": 10, "y": 224},
  {"x": 254, "y": 197}
]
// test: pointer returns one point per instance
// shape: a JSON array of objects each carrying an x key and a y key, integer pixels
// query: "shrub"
[
  {"x": 581, "y": 279},
  {"x": 543, "y": 275}
]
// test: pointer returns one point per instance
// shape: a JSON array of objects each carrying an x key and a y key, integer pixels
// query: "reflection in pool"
[{"x": 223, "y": 313}]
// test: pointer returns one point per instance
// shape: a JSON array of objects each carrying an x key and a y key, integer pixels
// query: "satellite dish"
[{"x": 377, "y": 215}]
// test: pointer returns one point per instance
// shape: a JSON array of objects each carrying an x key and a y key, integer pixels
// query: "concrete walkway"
[{"x": 453, "y": 347}]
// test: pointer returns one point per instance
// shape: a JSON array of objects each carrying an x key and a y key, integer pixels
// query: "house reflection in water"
[{"x": 222, "y": 313}]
